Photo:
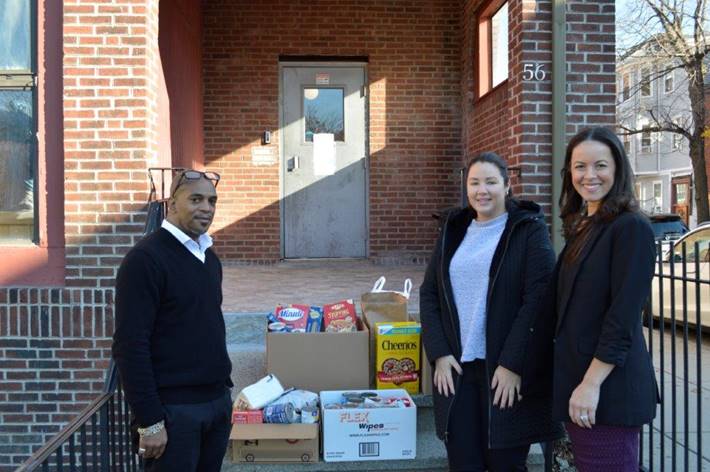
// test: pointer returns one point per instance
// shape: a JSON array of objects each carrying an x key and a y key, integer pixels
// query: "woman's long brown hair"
[{"x": 577, "y": 228}]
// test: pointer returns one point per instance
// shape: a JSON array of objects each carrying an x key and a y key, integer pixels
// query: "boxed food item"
[
  {"x": 320, "y": 360},
  {"x": 397, "y": 361},
  {"x": 340, "y": 317},
  {"x": 275, "y": 443},
  {"x": 359, "y": 431},
  {"x": 294, "y": 317},
  {"x": 247, "y": 417},
  {"x": 259, "y": 394}
]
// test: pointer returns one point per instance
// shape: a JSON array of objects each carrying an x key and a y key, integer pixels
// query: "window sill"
[
  {"x": 29, "y": 265},
  {"x": 491, "y": 91}
]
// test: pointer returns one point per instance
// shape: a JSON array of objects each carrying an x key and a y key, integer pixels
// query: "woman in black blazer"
[{"x": 604, "y": 382}]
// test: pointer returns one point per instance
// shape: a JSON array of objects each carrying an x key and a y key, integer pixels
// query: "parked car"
[
  {"x": 667, "y": 228},
  {"x": 696, "y": 264}
]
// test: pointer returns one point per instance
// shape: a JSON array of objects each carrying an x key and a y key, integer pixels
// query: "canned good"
[
  {"x": 353, "y": 398},
  {"x": 310, "y": 414},
  {"x": 283, "y": 413},
  {"x": 333, "y": 406},
  {"x": 277, "y": 327},
  {"x": 351, "y": 405},
  {"x": 369, "y": 394}
]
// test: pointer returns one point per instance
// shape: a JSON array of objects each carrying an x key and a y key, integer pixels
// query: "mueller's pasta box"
[
  {"x": 339, "y": 317},
  {"x": 397, "y": 358}
]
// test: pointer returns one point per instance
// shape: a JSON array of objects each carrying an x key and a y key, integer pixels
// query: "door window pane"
[
  {"x": 16, "y": 166},
  {"x": 499, "y": 43},
  {"x": 15, "y": 33},
  {"x": 323, "y": 112}
]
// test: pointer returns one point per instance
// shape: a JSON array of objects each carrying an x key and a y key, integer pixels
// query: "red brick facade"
[
  {"x": 424, "y": 119},
  {"x": 413, "y": 69}
]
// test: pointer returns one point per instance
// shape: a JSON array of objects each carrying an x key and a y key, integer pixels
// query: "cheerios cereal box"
[{"x": 397, "y": 359}]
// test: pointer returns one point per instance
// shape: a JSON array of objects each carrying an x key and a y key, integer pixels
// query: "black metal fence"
[
  {"x": 98, "y": 439},
  {"x": 677, "y": 320}
]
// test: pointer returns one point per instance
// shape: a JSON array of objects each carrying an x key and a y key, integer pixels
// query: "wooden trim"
[{"x": 483, "y": 58}]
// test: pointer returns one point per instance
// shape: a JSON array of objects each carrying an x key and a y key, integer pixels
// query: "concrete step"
[{"x": 247, "y": 350}]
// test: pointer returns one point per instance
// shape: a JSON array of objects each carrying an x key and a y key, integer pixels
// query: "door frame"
[{"x": 331, "y": 65}]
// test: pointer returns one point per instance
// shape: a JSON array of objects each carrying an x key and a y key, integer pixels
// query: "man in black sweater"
[{"x": 169, "y": 342}]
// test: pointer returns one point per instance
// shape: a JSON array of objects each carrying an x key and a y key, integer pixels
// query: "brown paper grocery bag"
[
  {"x": 381, "y": 305},
  {"x": 388, "y": 304}
]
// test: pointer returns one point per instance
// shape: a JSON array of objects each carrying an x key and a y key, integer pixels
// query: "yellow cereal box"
[{"x": 397, "y": 359}]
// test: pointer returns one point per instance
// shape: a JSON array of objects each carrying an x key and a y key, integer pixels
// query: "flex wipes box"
[
  {"x": 368, "y": 434},
  {"x": 274, "y": 442}
]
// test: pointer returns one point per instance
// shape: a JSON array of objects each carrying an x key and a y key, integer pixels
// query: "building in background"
[{"x": 647, "y": 88}]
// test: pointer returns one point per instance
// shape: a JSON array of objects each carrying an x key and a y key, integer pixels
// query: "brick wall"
[
  {"x": 515, "y": 119},
  {"x": 415, "y": 120},
  {"x": 55, "y": 342},
  {"x": 54, "y": 346},
  {"x": 591, "y": 65}
]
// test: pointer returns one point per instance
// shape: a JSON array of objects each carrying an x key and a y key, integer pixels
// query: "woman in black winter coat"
[{"x": 478, "y": 302}]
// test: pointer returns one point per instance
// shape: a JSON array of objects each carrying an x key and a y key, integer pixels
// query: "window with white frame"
[
  {"x": 626, "y": 139},
  {"x": 668, "y": 82},
  {"x": 625, "y": 87},
  {"x": 645, "y": 82},
  {"x": 17, "y": 122},
  {"x": 657, "y": 197},
  {"x": 676, "y": 138},
  {"x": 646, "y": 138}
]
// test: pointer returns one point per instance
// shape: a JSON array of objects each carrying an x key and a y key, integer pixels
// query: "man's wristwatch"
[{"x": 152, "y": 429}]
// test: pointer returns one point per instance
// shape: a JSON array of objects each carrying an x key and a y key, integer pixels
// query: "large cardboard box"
[
  {"x": 320, "y": 361},
  {"x": 275, "y": 442},
  {"x": 368, "y": 434}
]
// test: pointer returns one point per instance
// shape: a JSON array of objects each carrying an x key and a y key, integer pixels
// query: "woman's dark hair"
[
  {"x": 491, "y": 158},
  {"x": 576, "y": 226}
]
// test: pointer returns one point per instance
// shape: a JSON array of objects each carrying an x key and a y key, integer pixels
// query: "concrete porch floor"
[{"x": 259, "y": 288}]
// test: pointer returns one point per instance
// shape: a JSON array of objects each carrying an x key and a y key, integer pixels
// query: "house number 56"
[{"x": 534, "y": 72}]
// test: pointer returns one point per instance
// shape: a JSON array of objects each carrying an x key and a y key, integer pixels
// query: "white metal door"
[{"x": 324, "y": 161}]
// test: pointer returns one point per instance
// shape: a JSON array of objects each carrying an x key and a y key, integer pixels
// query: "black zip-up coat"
[{"x": 519, "y": 273}]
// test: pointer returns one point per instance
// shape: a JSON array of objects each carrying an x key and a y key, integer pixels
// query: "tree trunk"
[{"x": 696, "y": 92}]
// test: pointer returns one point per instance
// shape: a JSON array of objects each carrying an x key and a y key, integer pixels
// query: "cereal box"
[
  {"x": 295, "y": 316},
  {"x": 340, "y": 317},
  {"x": 397, "y": 358}
]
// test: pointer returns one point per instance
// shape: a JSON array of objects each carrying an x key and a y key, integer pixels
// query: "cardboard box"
[
  {"x": 367, "y": 434},
  {"x": 320, "y": 361},
  {"x": 275, "y": 443}
]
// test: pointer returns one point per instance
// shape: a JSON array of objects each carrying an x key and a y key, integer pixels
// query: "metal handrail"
[{"x": 45, "y": 452}]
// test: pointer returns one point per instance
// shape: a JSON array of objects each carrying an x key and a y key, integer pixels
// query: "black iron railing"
[
  {"x": 677, "y": 319},
  {"x": 98, "y": 439}
]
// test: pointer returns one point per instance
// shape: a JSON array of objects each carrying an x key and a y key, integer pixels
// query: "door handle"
[{"x": 293, "y": 163}]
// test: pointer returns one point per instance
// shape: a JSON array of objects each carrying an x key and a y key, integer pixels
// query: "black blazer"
[
  {"x": 599, "y": 316},
  {"x": 520, "y": 270}
]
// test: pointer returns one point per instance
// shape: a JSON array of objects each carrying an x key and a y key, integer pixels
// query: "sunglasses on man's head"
[{"x": 196, "y": 175}]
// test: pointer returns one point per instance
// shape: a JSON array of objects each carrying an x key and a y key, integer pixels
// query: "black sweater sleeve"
[{"x": 138, "y": 288}]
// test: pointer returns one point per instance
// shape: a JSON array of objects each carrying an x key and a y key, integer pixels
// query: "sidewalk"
[{"x": 259, "y": 288}]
